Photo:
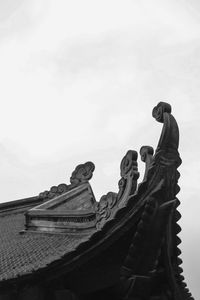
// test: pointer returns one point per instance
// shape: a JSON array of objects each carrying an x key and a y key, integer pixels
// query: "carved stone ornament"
[
  {"x": 124, "y": 247},
  {"x": 160, "y": 109},
  {"x": 105, "y": 206},
  {"x": 81, "y": 174},
  {"x": 129, "y": 163},
  {"x": 54, "y": 191},
  {"x": 151, "y": 269},
  {"x": 109, "y": 203},
  {"x": 129, "y": 176},
  {"x": 146, "y": 153}
]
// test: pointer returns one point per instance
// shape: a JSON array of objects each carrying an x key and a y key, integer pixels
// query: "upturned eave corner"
[
  {"x": 124, "y": 247},
  {"x": 151, "y": 269},
  {"x": 66, "y": 208}
]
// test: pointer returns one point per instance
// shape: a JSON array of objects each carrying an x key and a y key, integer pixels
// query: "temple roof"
[
  {"x": 65, "y": 227},
  {"x": 24, "y": 253},
  {"x": 27, "y": 249}
]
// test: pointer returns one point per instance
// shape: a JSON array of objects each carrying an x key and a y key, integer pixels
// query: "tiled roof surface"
[{"x": 24, "y": 253}]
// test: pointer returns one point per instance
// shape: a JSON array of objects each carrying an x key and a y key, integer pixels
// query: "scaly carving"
[
  {"x": 176, "y": 261},
  {"x": 82, "y": 173},
  {"x": 138, "y": 273},
  {"x": 157, "y": 232},
  {"x": 164, "y": 166}
]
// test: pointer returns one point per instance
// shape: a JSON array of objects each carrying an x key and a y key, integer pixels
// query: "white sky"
[{"x": 78, "y": 81}]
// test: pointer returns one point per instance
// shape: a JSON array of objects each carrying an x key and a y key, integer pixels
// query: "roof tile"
[{"x": 24, "y": 253}]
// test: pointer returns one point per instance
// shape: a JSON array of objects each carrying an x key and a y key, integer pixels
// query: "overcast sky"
[{"x": 78, "y": 81}]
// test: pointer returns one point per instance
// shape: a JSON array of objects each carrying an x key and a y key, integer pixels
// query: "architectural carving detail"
[
  {"x": 67, "y": 219},
  {"x": 54, "y": 191},
  {"x": 146, "y": 153},
  {"x": 81, "y": 174},
  {"x": 161, "y": 167},
  {"x": 129, "y": 176},
  {"x": 127, "y": 186},
  {"x": 129, "y": 163},
  {"x": 167, "y": 160},
  {"x": 105, "y": 206},
  {"x": 124, "y": 247},
  {"x": 160, "y": 109},
  {"x": 141, "y": 266},
  {"x": 169, "y": 139}
]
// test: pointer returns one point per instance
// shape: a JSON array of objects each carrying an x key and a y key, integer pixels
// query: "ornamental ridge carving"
[
  {"x": 104, "y": 207},
  {"x": 144, "y": 258},
  {"x": 54, "y": 191},
  {"x": 163, "y": 166},
  {"x": 169, "y": 139},
  {"x": 146, "y": 153},
  {"x": 152, "y": 265},
  {"x": 160, "y": 109},
  {"x": 81, "y": 174},
  {"x": 129, "y": 175},
  {"x": 108, "y": 203},
  {"x": 129, "y": 164}
]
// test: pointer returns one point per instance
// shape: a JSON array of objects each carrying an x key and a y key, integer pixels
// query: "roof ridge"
[{"x": 16, "y": 205}]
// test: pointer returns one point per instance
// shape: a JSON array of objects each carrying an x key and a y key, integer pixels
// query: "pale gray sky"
[{"x": 78, "y": 81}]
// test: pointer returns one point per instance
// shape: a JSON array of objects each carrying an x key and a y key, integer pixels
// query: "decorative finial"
[
  {"x": 160, "y": 109},
  {"x": 146, "y": 153},
  {"x": 110, "y": 202},
  {"x": 82, "y": 173},
  {"x": 129, "y": 162}
]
